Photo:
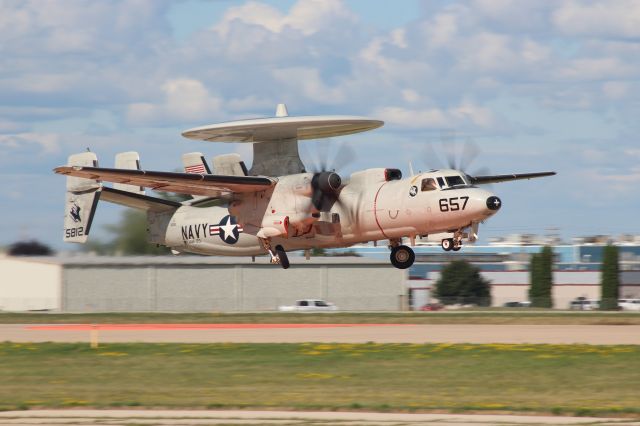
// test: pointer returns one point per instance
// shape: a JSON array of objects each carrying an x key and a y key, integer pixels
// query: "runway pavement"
[
  {"x": 339, "y": 333},
  {"x": 181, "y": 417}
]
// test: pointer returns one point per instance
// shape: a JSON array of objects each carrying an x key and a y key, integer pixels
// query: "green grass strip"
[{"x": 571, "y": 379}]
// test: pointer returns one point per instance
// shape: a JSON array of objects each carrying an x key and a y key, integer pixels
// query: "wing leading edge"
[
  {"x": 480, "y": 180},
  {"x": 182, "y": 183}
]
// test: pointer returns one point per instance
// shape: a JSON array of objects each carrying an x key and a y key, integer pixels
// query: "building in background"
[
  {"x": 194, "y": 284},
  {"x": 364, "y": 283}
]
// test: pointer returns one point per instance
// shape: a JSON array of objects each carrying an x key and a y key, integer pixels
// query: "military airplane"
[{"x": 278, "y": 205}]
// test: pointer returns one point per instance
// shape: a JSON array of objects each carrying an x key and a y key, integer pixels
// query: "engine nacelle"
[{"x": 372, "y": 176}]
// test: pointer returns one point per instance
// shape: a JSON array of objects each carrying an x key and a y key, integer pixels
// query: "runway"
[
  {"x": 323, "y": 333},
  {"x": 232, "y": 417}
]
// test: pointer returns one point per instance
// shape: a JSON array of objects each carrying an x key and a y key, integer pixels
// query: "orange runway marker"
[{"x": 82, "y": 327}]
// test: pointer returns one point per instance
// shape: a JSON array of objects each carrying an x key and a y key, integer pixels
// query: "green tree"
[
  {"x": 535, "y": 292},
  {"x": 541, "y": 273},
  {"x": 130, "y": 237},
  {"x": 30, "y": 248},
  {"x": 461, "y": 282},
  {"x": 610, "y": 278}
]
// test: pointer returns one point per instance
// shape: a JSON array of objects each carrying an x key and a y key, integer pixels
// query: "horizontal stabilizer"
[
  {"x": 182, "y": 183},
  {"x": 480, "y": 180},
  {"x": 138, "y": 201}
]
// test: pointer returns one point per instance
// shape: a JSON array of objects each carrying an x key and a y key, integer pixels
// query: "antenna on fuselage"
[
  {"x": 411, "y": 169},
  {"x": 281, "y": 110}
]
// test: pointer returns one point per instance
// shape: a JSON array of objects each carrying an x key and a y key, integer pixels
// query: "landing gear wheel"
[
  {"x": 282, "y": 256},
  {"x": 402, "y": 257},
  {"x": 447, "y": 244},
  {"x": 457, "y": 245}
]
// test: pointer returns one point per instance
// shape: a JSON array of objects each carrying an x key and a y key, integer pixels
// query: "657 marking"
[{"x": 452, "y": 204}]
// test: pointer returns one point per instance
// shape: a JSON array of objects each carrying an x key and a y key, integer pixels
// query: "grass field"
[
  {"x": 489, "y": 316},
  {"x": 572, "y": 379}
]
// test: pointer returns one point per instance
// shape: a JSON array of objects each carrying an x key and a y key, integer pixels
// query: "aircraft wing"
[
  {"x": 480, "y": 180},
  {"x": 182, "y": 183}
]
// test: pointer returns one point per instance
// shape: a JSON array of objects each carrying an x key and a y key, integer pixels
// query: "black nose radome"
[{"x": 494, "y": 203}]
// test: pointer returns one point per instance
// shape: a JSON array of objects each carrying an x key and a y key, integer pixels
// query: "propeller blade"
[
  {"x": 344, "y": 156},
  {"x": 432, "y": 159},
  {"x": 470, "y": 152}
]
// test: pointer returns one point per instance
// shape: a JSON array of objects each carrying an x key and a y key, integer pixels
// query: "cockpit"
[{"x": 441, "y": 179}]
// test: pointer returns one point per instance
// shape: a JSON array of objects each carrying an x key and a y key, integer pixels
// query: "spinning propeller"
[
  {"x": 326, "y": 183},
  {"x": 461, "y": 156}
]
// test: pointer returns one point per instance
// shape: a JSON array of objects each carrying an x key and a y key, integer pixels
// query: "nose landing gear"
[{"x": 454, "y": 243}]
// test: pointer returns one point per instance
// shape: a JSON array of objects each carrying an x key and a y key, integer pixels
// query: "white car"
[
  {"x": 629, "y": 304},
  {"x": 309, "y": 305},
  {"x": 584, "y": 304}
]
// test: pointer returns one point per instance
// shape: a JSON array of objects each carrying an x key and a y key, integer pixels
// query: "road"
[
  {"x": 339, "y": 333},
  {"x": 190, "y": 418}
]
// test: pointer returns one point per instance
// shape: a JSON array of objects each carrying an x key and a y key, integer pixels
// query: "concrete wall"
[
  {"x": 27, "y": 285},
  {"x": 228, "y": 287}
]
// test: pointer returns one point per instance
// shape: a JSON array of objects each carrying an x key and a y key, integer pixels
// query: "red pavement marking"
[{"x": 82, "y": 327}]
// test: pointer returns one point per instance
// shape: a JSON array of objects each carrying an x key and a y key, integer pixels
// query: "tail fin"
[
  {"x": 131, "y": 161},
  {"x": 229, "y": 165},
  {"x": 81, "y": 200},
  {"x": 194, "y": 162}
]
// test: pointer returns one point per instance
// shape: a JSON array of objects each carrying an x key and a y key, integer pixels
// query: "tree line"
[{"x": 462, "y": 283}]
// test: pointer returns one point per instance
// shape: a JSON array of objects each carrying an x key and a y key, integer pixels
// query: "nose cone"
[{"x": 494, "y": 203}]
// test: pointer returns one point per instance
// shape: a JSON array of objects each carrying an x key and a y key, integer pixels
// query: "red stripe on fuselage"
[{"x": 375, "y": 210}]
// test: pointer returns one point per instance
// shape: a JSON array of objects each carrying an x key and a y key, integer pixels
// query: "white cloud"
[
  {"x": 620, "y": 18},
  {"x": 615, "y": 90},
  {"x": 46, "y": 143},
  {"x": 594, "y": 69},
  {"x": 306, "y": 16},
  {"x": 184, "y": 100},
  {"x": 308, "y": 83},
  {"x": 464, "y": 115}
]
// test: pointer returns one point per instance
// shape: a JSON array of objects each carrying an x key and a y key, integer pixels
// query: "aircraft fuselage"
[{"x": 371, "y": 209}]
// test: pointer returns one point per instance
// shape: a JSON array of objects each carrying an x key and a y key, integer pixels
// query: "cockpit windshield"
[{"x": 455, "y": 180}]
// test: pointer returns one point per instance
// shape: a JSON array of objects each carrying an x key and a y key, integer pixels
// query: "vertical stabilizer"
[
  {"x": 194, "y": 162},
  {"x": 81, "y": 200},
  {"x": 131, "y": 161},
  {"x": 229, "y": 165}
]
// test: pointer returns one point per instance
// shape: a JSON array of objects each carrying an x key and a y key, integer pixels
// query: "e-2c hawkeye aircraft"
[{"x": 278, "y": 206}]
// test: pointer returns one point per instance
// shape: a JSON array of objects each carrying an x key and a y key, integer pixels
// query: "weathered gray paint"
[{"x": 227, "y": 287}]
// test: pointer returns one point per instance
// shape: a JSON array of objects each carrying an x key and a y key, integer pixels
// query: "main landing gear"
[
  {"x": 402, "y": 257},
  {"x": 278, "y": 255}
]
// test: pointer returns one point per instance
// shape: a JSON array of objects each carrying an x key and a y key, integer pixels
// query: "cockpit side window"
[
  {"x": 428, "y": 184},
  {"x": 455, "y": 180},
  {"x": 441, "y": 182}
]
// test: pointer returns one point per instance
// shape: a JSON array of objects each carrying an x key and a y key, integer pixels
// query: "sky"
[{"x": 535, "y": 85}]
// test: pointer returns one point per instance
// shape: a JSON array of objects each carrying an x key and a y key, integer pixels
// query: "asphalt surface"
[
  {"x": 339, "y": 333},
  {"x": 180, "y": 417}
]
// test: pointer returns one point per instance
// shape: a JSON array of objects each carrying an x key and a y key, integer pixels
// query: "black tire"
[
  {"x": 282, "y": 255},
  {"x": 402, "y": 257},
  {"x": 447, "y": 244},
  {"x": 456, "y": 246}
]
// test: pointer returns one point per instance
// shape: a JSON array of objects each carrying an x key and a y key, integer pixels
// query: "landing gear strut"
[
  {"x": 278, "y": 255},
  {"x": 402, "y": 257}
]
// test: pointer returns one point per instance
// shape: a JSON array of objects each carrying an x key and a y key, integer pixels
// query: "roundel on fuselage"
[{"x": 228, "y": 230}]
